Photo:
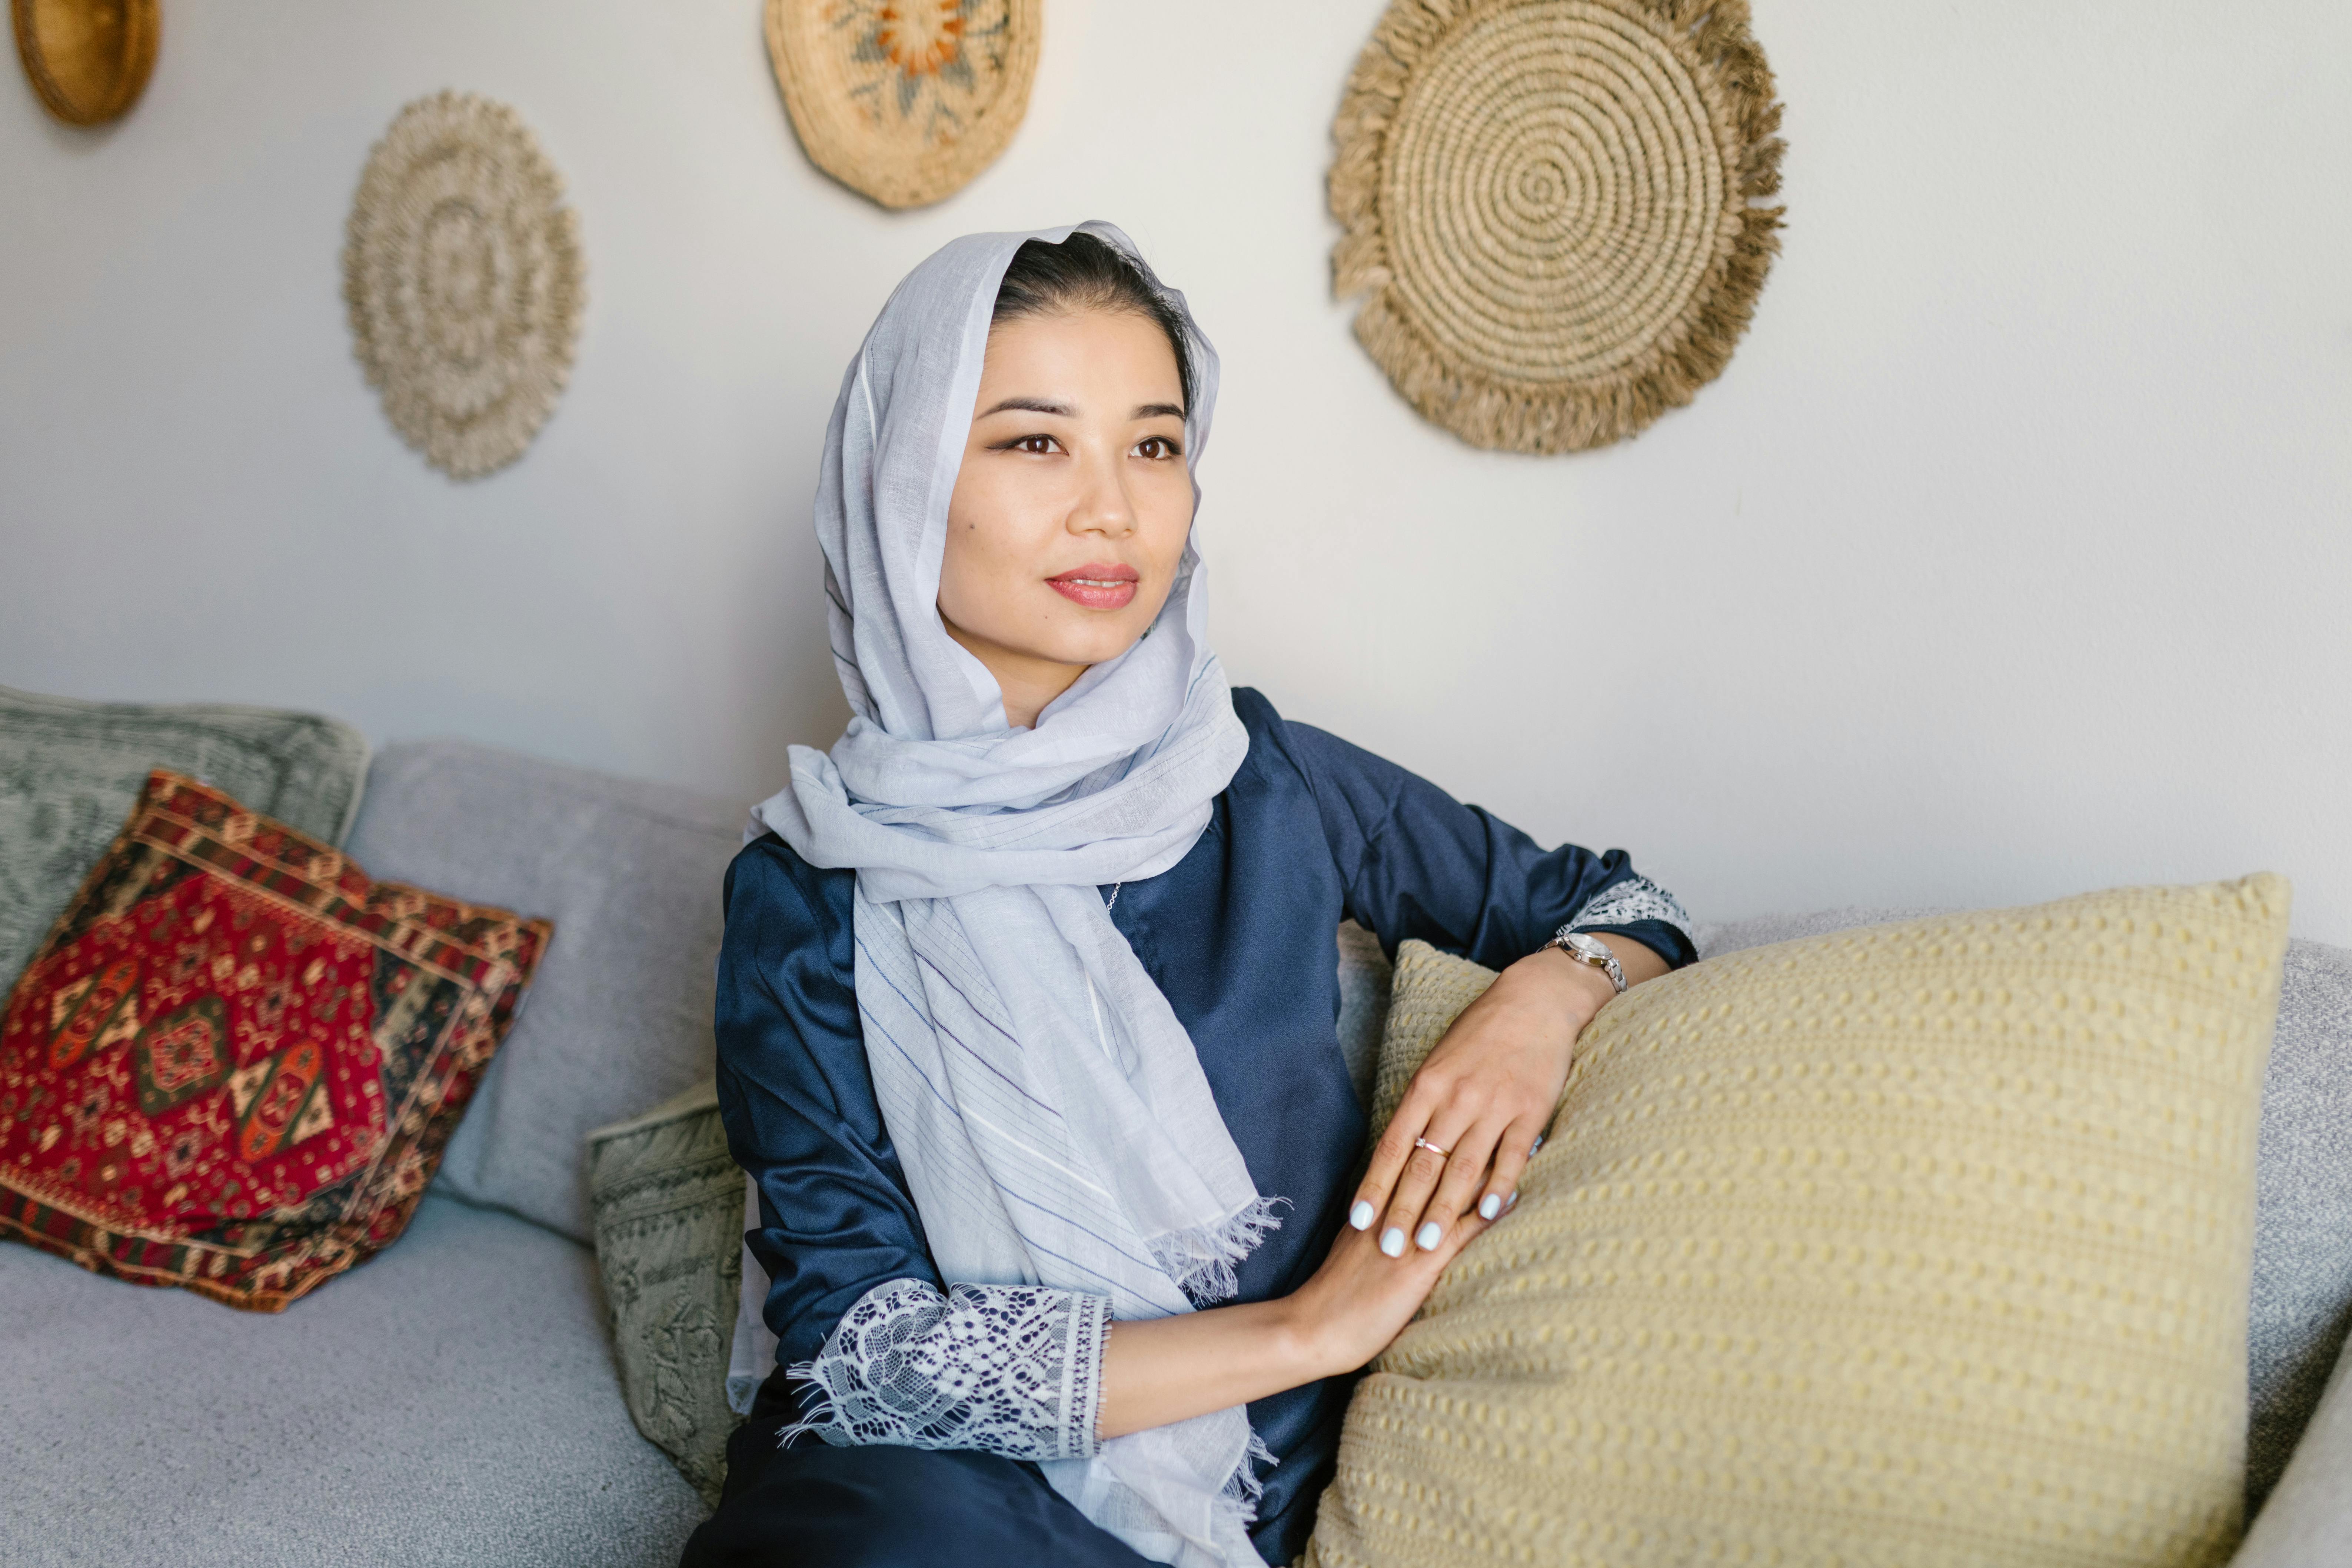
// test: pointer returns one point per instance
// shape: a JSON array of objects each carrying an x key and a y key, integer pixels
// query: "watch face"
[{"x": 1593, "y": 950}]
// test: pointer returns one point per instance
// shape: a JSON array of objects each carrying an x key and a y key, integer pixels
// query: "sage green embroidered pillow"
[
  {"x": 667, "y": 1199},
  {"x": 71, "y": 772}
]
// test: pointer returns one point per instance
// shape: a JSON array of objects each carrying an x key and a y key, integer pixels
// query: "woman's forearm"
[
  {"x": 1158, "y": 1370},
  {"x": 1639, "y": 960}
]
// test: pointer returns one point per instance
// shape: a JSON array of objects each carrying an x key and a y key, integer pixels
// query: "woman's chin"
[{"x": 1090, "y": 650}]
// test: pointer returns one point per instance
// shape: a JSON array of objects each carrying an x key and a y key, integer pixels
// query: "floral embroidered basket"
[
  {"x": 236, "y": 1061},
  {"x": 904, "y": 100}
]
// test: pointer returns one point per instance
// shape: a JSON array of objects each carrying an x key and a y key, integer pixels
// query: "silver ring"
[{"x": 1425, "y": 1144}]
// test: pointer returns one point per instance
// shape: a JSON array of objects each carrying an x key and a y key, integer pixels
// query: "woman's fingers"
[
  {"x": 1452, "y": 1138},
  {"x": 1458, "y": 1188},
  {"x": 1389, "y": 1157},
  {"x": 1516, "y": 1146}
]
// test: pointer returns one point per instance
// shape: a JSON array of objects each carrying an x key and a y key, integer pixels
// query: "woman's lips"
[{"x": 1098, "y": 586}]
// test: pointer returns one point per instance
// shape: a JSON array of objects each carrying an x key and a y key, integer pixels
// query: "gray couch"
[{"x": 454, "y": 1401}]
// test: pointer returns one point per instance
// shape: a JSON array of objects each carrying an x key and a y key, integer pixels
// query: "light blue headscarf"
[{"x": 1047, "y": 1106}]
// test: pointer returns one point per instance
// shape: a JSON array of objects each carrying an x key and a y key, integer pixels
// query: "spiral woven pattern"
[
  {"x": 463, "y": 275},
  {"x": 1554, "y": 207},
  {"x": 904, "y": 100}
]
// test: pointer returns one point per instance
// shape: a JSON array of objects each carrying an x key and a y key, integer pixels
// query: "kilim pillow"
[
  {"x": 1921, "y": 1244},
  {"x": 235, "y": 1062}
]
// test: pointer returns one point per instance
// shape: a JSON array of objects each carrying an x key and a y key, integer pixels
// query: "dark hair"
[{"x": 1084, "y": 273}]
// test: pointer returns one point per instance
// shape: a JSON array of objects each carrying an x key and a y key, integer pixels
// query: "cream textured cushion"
[{"x": 1920, "y": 1244}]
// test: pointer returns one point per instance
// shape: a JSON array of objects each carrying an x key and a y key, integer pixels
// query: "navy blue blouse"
[{"x": 1239, "y": 937}]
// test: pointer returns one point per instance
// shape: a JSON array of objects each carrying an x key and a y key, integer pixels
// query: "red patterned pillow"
[{"x": 236, "y": 1061}]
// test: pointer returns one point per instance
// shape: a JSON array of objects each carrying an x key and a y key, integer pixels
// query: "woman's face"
[{"x": 1071, "y": 510}]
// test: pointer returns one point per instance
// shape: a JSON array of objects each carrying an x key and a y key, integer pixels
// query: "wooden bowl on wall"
[{"x": 88, "y": 59}]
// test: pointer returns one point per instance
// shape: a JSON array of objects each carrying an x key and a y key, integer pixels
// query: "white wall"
[{"x": 2012, "y": 556}]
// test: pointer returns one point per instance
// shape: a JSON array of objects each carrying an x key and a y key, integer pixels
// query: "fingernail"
[
  {"x": 1431, "y": 1233},
  {"x": 1361, "y": 1216},
  {"x": 1393, "y": 1242},
  {"x": 1490, "y": 1205},
  {"x": 1536, "y": 1145},
  {"x": 1512, "y": 1201}
]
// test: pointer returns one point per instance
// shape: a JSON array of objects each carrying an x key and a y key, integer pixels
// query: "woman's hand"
[
  {"x": 1359, "y": 1301},
  {"x": 1483, "y": 1098},
  {"x": 1161, "y": 1370}
]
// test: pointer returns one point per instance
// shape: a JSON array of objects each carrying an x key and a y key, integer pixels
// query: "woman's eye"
[
  {"x": 1156, "y": 447},
  {"x": 1038, "y": 444}
]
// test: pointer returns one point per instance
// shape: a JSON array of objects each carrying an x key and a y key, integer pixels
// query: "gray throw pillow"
[
  {"x": 620, "y": 1016},
  {"x": 70, "y": 771},
  {"x": 668, "y": 1202},
  {"x": 1364, "y": 974}
]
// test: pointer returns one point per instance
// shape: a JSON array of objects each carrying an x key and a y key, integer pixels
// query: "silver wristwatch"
[{"x": 1589, "y": 950}]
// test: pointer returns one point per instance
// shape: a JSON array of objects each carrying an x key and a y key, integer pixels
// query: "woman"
[{"x": 1027, "y": 1002}]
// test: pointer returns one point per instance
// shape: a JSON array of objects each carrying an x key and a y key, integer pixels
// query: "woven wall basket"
[
  {"x": 904, "y": 100},
  {"x": 89, "y": 60},
  {"x": 463, "y": 277},
  {"x": 1553, "y": 208}
]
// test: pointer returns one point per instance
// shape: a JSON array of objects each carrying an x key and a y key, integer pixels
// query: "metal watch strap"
[{"x": 1590, "y": 950}]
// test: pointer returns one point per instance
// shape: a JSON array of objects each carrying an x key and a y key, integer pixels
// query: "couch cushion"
[
  {"x": 2307, "y": 1523},
  {"x": 451, "y": 1402},
  {"x": 1844, "y": 1240},
  {"x": 2303, "y": 1217},
  {"x": 620, "y": 1016},
  {"x": 71, "y": 770}
]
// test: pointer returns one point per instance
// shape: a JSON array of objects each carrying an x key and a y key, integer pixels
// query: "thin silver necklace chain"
[{"x": 1113, "y": 902}]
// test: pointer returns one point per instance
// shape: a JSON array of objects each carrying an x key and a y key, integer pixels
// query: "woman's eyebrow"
[
  {"x": 1154, "y": 410},
  {"x": 1031, "y": 406}
]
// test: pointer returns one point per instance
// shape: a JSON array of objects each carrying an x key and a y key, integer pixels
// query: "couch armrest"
[{"x": 2307, "y": 1523}]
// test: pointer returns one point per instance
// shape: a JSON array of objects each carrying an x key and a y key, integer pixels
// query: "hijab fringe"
[{"x": 1202, "y": 1260}]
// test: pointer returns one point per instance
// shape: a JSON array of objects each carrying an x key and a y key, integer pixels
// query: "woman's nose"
[{"x": 1105, "y": 508}]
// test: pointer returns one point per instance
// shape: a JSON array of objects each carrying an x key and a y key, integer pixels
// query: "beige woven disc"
[
  {"x": 463, "y": 277},
  {"x": 1553, "y": 208},
  {"x": 904, "y": 100}
]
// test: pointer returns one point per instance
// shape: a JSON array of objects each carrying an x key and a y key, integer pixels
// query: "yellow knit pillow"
[{"x": 1926, "y": 1244}]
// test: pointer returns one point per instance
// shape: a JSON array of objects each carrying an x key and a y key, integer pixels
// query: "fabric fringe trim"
[
  {"x": 1712, "y": 38},
  {"x": 820, "y": 1416},
  {"x": 1246, "y": 1486},
  {"x": 1202, "y": 1261}
]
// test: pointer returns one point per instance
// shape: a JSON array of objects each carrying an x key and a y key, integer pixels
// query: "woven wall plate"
[
  {"x": 1553, "y": 208},
  {"x": 88, "y": 60},
  {"x": 904, "y": 100},
  {"x": 464, "y": 279}
]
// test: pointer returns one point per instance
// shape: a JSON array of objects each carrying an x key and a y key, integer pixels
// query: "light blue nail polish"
[
  {"x": 1512, "y": 1201},
  {"x": 1361, "y": 1216},
  {"x": 1431, "y": 1233},
  {"x": 1490, "y": 1205},
  {"x": 1393, "y": 1242}
]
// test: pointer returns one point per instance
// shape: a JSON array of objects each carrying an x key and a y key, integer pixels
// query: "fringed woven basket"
[
  {"x": 904, "y": 100},
  {"x": 1555, "y": 209}
]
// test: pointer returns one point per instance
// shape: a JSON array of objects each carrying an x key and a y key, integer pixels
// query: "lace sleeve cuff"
[
  {"x": 1635, "y": 899},
  {"x": 1013, "y": 1370}
]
